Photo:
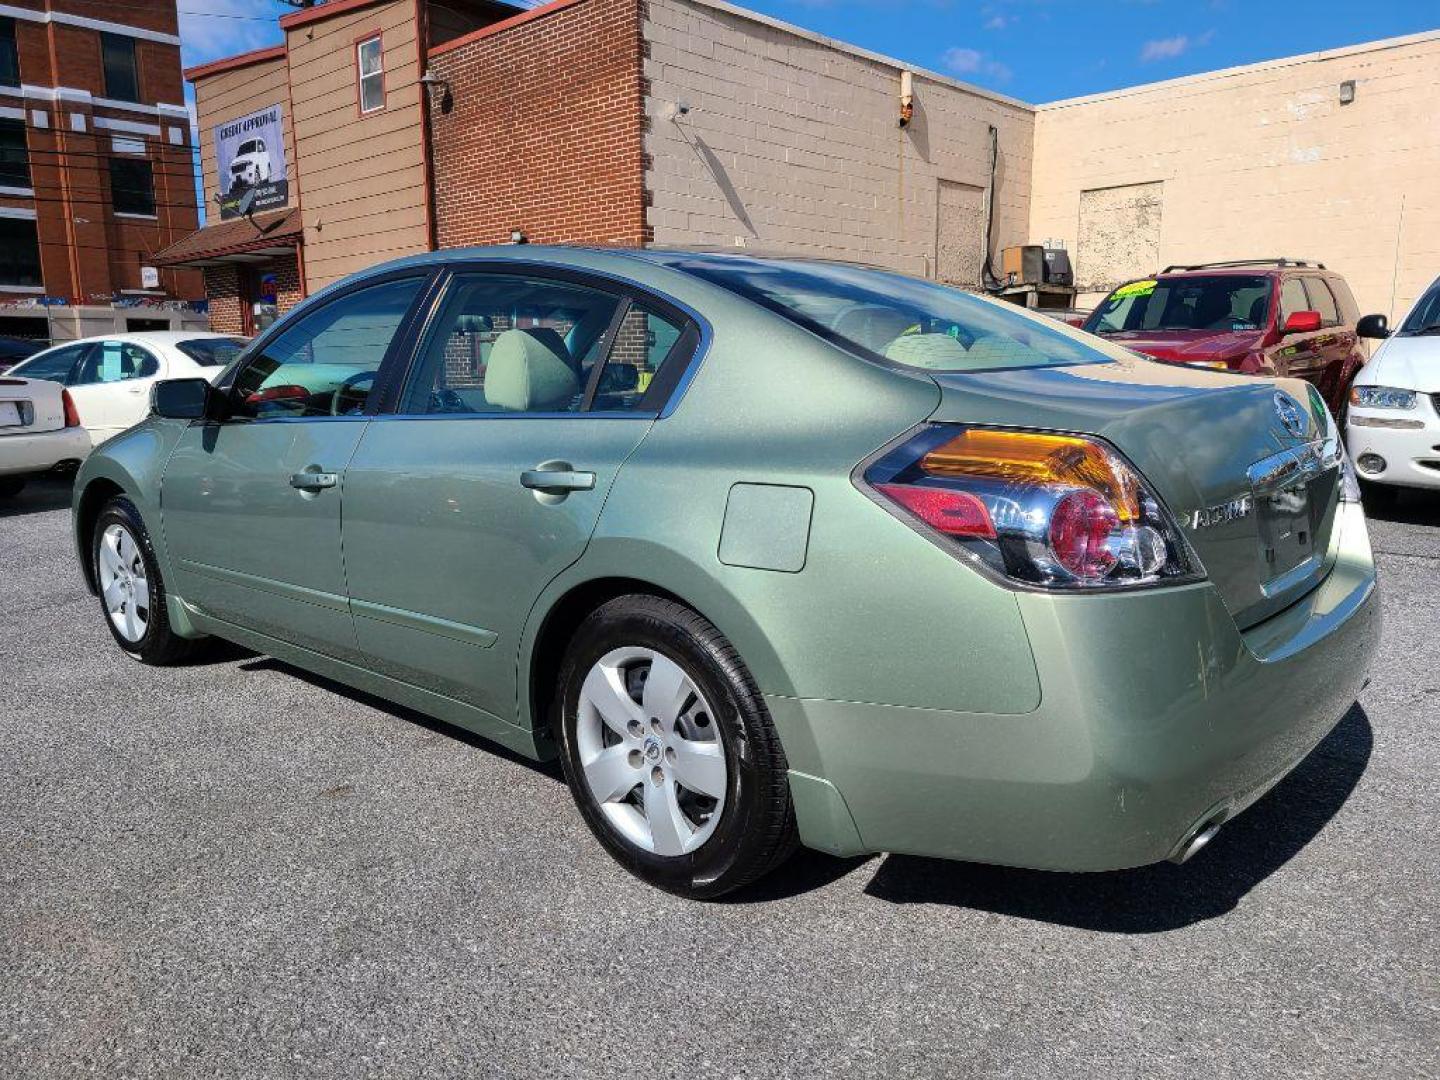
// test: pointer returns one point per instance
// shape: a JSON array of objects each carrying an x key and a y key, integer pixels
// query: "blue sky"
[{"x": 1036, "y": 50}]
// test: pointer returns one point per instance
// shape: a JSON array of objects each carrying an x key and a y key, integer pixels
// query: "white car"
[
  {"x": 109, "y": 378},
  {"x": 1393, "y": 428},
  {"x": 39, "y": 431},
  {"x": 251, "y": 164}
]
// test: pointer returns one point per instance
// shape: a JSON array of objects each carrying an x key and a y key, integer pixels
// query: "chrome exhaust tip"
[{"x": 1198, "y": 839}]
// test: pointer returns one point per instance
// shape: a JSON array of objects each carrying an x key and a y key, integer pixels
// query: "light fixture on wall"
[
  {"x": 431, "y": 81},
  {"x": 517, "y": 236},
  {"x": 907, "y": 99},
  {"x": 1347, "y": 91}
]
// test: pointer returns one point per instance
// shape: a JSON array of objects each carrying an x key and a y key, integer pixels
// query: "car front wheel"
[
  {"x": 669, "y": 751},
  {"x": 132, "y": 593}
]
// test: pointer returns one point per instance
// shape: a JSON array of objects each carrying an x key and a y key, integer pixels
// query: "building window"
[
  {"x": 370, "y": 62},
  {"x": 9, "y": 55},
  {"x": 122, "y": 75},
  {"x": 14, "y": 157},
  {"x": 19, "y": 253},
  {"x": 132, "y": 186}
]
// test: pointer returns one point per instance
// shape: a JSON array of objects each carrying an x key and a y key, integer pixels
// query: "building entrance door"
[{"x": 258, "y": 304}]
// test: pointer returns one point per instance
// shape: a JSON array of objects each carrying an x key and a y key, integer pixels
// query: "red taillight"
[
  {"x": 72, "y": 415},
  {"x": 1080, "y": 527},
  {"x": 955, "y": 513}
]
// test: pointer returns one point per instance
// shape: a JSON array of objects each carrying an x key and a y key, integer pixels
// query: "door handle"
[
  {"x": 313, "y": 481},
  {"x": 556, "y": 480}
]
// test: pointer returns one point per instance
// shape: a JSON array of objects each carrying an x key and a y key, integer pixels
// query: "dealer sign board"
[{"x": 250, "y": 160}]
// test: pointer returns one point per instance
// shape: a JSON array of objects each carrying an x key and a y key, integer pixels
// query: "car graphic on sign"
[{"x": 251, "y": 164}]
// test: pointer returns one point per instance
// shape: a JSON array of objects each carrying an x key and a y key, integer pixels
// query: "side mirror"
[
  {"x": 1302, "y": 322},
  {"x": 181, "y": 399},
  {"x": 1373, "y": 326}
]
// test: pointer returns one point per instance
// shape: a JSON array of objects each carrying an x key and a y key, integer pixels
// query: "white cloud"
[
  {"x": 974, "y": 62},
  {"x": 227, "y": 27},
  {"x": 997, "y": 22},
  {"x": 1171, "y": 47}
]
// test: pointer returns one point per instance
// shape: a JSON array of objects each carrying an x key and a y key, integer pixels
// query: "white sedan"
[
  {"x": 1393, "y": 428},
  {"x": 109, "y": 378},
  {"x": 39, "y": 431}
]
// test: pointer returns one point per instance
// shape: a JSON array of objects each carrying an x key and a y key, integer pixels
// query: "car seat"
[
  {"x": 871, "y": 325},
  {"x": 526, "y": 374}
]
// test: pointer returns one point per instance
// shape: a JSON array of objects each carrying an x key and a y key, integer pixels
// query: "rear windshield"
[
  {"x": 895, "y": 318},
  {"x": 212, "y": 352},
  {"x": 1225, "y": 302}
]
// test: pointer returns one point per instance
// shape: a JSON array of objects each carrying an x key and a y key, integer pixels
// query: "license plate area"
[
  {"x": 1294, "y": 494},
  {"x": 14, "y": 413}
]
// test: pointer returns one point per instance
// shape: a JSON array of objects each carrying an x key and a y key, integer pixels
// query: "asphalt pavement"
[{"x": 239, "y": 870}]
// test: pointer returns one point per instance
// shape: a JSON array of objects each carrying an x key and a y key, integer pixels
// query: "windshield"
[
  {"x": 895, "y": 318},
  {"x": 1225, "y": 302},
  {"x": 1424, "y": 318},
  {"x": 212, "y": 352}
]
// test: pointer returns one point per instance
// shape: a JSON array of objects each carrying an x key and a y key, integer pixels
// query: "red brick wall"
[
  {"x": 222, "y": 286},
  {"x": 545, "y": 129}
]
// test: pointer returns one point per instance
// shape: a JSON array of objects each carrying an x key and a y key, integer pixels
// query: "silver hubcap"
[
  {"x": 651, "y": 752},
  {"x": 123, "y": 583}
]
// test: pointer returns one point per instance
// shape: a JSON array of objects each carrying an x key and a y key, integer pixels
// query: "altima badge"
[{"x": 1233, "y": 510}]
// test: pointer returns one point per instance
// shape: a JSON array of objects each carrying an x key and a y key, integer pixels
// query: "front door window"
[{"x": 260, "y": 301}]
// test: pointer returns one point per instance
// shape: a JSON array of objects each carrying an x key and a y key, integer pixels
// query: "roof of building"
[{"x": 236, "y": 240}]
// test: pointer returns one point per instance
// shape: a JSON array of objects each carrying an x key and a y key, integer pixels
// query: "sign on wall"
[{"x": 250, "y": 163}]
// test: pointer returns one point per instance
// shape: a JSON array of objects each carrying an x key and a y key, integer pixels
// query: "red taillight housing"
[
  {"x": 1054, "y": 510},
  {"x": 72, "y": 414}
]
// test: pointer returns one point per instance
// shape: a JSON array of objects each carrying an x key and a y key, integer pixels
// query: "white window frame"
[{"x": 362, "y": 76}]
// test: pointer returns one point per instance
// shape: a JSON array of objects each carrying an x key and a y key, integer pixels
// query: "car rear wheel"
[
  {"x": 132, "y": 593},
  {"x": 669, "y": 751}
]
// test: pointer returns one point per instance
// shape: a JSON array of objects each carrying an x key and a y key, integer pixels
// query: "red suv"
[{"x": 1257, "y": 316}]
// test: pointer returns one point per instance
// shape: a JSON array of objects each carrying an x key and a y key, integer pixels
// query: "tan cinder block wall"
[
  {"x": 793, "y": 143},
  {"x": 1265, "y": 161}
]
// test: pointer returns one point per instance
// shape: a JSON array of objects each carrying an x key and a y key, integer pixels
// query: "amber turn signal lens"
[{"x": 1024, "y": 457}]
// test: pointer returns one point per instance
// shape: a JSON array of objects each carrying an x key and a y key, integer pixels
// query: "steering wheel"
[{"x": 348, "y": 389}]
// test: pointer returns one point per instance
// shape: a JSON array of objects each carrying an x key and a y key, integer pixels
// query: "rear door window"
[{"x": 1322, "y": 301}]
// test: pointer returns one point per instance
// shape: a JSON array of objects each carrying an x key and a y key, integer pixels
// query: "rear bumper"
[
  {"x": 41, "y": 451},
  {"x": 1157, "y": 716},
  {"x": 1411, "y": 457}
]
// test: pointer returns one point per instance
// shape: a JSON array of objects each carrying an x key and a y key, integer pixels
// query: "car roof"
[{"x": 150, "y": 337}]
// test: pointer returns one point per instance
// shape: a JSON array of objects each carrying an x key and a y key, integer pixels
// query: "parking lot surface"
[{"x": 238, "y": 870}]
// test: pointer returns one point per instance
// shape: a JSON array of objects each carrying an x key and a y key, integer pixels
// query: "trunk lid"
[
  {"x": 1256, "y": 499},
  {"x": 28, "y": 406}
]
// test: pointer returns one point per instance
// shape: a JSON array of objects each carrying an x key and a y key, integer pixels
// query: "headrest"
[
  {"x": 872, "y": 325},
  {"x": 928, "y": 351},
  {"x": 997, "y": 351},
  {"x": 525, "y": 375}
]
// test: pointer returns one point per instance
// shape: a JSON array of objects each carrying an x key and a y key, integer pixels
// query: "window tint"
[
  {"x": 132, "y": 186},
  {"x": 19, "y": 253},
  {"x": 1292, "y": 298},
  {"x": 370, "y": 60},
  {"x": 894, "y": 318},
  {"x": 644, "y": 342},
  {"x": 122, "y": 76},
  {"x": 9, "y": 55},
  {"x": 55, "y": 365},
  {"x": 325, "y": 362},
  {"x": 212, "y": 352},
  {"x": 115, "y": 361},
  {"x": 1349, "y": 310},
  {"x": 512, "y": 344},
  {"x": 1223, "y": 302},
  {"x": 1322, "y": 301},
  {"x": 14, "y": 155}
]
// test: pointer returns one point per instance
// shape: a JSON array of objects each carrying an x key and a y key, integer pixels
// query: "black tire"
[
  {"x": 159, "y": 645},
  {"x": 756, "y": 830},
  {"x": 10, "y": 486}
]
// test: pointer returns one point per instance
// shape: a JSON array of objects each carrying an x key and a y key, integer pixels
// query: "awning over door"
[{"x": 238, "y": 241}]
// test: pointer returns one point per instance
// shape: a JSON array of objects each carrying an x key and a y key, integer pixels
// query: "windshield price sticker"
[{"x": 1136, "y": 288}]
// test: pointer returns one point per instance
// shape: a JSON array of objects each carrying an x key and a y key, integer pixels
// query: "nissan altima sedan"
[{"x": 765, "y": 551}]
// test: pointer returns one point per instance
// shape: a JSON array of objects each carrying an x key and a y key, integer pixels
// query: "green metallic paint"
[{"x": 906, "y": 686}]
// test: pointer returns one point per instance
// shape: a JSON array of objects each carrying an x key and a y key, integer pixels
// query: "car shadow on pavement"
[
  {"x": 1153, "y": 899},
  {"x": 1410, "y": 507},
  {"x": 38, "y": 497}
]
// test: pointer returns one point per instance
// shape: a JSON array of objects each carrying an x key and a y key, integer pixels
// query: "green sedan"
[{"x": 767, "y": 552}]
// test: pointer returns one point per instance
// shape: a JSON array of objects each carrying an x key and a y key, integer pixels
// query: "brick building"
[
  {"x": 695, "y": 122},
  {"x": 96, "y": 171}
]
